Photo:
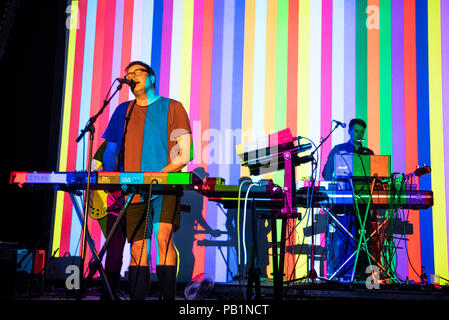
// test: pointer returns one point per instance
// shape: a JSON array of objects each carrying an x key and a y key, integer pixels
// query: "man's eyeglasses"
[{"x": 136, "y": 73}]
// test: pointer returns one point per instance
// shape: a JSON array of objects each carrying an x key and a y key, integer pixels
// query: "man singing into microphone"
[
  {"x": 356, "y": 132},
  {"x": 149, "y": 133}
]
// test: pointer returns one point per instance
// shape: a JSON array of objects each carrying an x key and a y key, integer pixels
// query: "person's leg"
[
  {"x": 167, "y": 260},
  {"x": 139, "y": 271}
]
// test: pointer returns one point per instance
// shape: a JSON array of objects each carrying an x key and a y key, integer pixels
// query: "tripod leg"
[
  {"x": 94, "y": 254},
  {"x": 97, "y": 264}
]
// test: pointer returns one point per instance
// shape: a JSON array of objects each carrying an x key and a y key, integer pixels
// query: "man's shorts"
[{"x": 163, "y": 208}]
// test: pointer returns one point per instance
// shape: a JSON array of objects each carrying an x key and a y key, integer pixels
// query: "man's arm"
[
  {"x": 180, "y": 156},
  {"x": 110, "y": 157}
]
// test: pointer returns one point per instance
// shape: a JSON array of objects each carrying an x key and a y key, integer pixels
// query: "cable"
[
  {"x": 244, "y": 224},
  {"x": 240, "y": 274},
  {"x": 238, "y": 219}
]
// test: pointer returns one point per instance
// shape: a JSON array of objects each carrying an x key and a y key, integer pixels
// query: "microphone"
[
  {"x": 339, "y": 123},
  {"x": 130, "y": 83}
]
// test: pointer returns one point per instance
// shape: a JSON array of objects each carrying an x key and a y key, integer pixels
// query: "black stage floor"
[{"x": 320, "y": 290}]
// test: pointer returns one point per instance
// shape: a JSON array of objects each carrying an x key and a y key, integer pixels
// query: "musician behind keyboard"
[
  {"x": 338, "y": 244},
  {"x": 357, "y": 128}
]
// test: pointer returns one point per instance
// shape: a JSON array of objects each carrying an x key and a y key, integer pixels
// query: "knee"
[{"x": 163, "y": 241}]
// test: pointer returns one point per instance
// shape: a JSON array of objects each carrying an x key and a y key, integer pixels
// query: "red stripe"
[
  {"x": 96, "y": 97},
  {"x": 195, "y": 90},
  {"x": 410, "y": 127},
  {"x": 204, "y": 114},
  {"x": 66, "y": 223}
]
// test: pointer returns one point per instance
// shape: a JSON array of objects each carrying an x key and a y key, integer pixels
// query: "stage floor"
[{"x": 233, "y": 291}]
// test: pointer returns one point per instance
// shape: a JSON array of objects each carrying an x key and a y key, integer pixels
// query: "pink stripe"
[
  {"x": 326, "y": 77},
  {"x": 167, "y": 21},
  {"x": 195, "y": 86},
  {"x": 445, "y": 81}
]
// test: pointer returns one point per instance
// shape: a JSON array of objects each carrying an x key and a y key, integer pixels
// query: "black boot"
[
  {"x": 167, "y": 281},
  {"x": 139, "y": 282}
]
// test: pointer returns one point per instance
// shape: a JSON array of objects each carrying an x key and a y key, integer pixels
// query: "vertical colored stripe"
[
  {"x": 436, "y": 139},
  {"x": 166, "y": 42},
  {"x": 410, "y": 123},
  {"x": 292, "y": 67},
  {"x": 281, "y": 65},
  {"x": 117, "y": 54},
  {"x": 248, "y": 76},
  {"x": 137, "y": 30},
  {"x": 350, "y": 61},
  {"x": 186, "y": 54},
  {"x": 372, "y": 80},
  {"x": 196, "y": 82},
  {"x": 205, "y": 104},
  {"x": 176, "y": 51},
  {"x": 445, "y": 101},
  {"x": 326, "y": 78},
  {"x": 303, "y": 113},
  {"x": 361, "y": 60},
  {"x": 63, "y": 144},
  {"x": 338, "y": 71},
  {"x": 397, "y": 61},
  {"x": 215, "y": 136},
  {"x": 425, "y": 182},
  {"x": 292, "y": 107},
  {"x": 270, "y": 66},
  {"x": 147, "y": 30},
  {"x": 386, "y": 147},
  {"x": 315, "y": 95},
  {"x": 237, "y": 85},
  {"x": 126, "y": 43},
  {"x": 225, "y": 122},
  {"x": 258, "y": 99},
  {"x": 156, "y": 40},
  {"x": 326, "y": 86}
]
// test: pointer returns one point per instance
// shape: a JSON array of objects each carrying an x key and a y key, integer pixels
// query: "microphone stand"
[
  {"x": 312, "y": 273},
  {"x": 91, "y": 129}
]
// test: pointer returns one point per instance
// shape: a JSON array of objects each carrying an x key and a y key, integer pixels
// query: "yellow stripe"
[
  {"x": 186, "y": 53},
  {"x": 303, "y": 113},
  {"x": 63, "y": 151},
  {"x": 186, "y": 56},
  {"x": 248, "y": 75},
  {"x": 436, "y": 139}
]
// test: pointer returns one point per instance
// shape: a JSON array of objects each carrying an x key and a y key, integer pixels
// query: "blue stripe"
[
  {"x": 215, "y": 106},
  {"x": 156, "y": 41},
  {"x": 425, "y": 182}
]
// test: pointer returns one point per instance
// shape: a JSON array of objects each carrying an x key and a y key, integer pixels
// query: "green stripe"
[
  {"x": 361, "y": 58},
  {"x": 281, "y": 65},
  {"x": 386, "y": 137},
  {"x": 280, "y": 121}
]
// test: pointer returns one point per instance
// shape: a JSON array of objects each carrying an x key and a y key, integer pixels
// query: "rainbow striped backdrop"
[{"x": 266, "y": 65}]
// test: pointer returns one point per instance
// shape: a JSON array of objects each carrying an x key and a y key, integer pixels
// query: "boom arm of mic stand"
[
  {"x": 90, "y": 124},
  {"x": 322, "y": 141}
]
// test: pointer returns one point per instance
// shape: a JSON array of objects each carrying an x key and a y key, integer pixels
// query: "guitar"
[{"x": 102, "y": 202}]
